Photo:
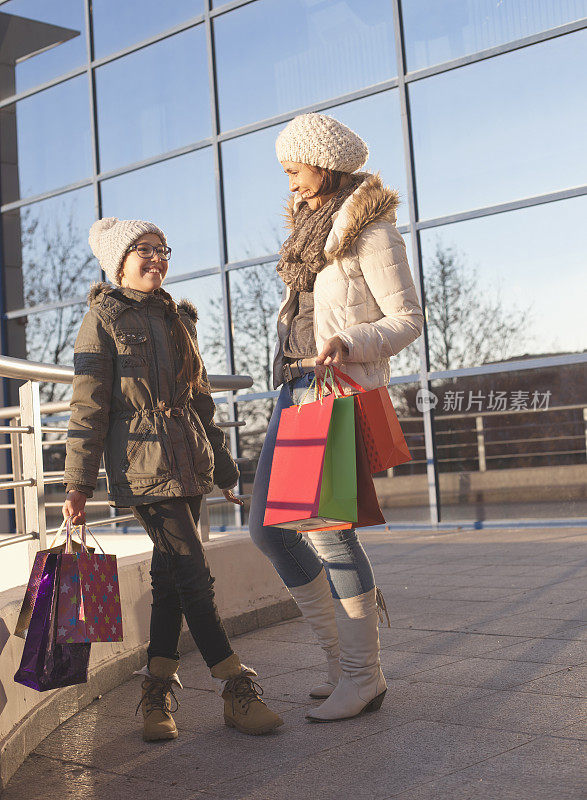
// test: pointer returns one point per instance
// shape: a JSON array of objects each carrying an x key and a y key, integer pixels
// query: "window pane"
[
  {"x": 206, "y": 294},
  {"x": 299, "y": 53},
  {"x": 179, "y": 196},
  {"x": 253, "y": 198},
  {"x": 436, "y": 32},
  {"x": 256, "y": 414},
  {"x": 502, "y": 129},
  {"x": 133, "y": 21},
  {"x": 154, "y": 100},
  {"x": 50, "y": 337},
  {"x": 254, "y": 203},
  {"x": 491, "y": 289},
  {"x": 40, "y": 41},
  {"x": 377, "y": 120},
  {"x": 45, "y": 141},
  {"x": 255, "y": 296},
  {"x": 506, "y": 448},
  {"x": 403, "y": 490},
  {"x": 47, "y": 258}
]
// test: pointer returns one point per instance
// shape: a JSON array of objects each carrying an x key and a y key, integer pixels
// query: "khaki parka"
[{"x": 129, "y": 404}]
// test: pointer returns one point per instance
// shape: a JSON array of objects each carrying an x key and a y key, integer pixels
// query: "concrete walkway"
[{"x": 483, "y": 662}]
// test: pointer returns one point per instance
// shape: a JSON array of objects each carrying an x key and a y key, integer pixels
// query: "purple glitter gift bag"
[{"x": 46, "y": 664}]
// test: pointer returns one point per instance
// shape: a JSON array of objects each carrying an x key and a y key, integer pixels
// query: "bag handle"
[
  {"x": 82, "y": 529},
  {"x": 347, "y": 379},
  {"x": 318, "y": 387},
  {"x": 319, "y": 384},
  {"x": 68, "y": 534},
  {"x": 70, "y": 528},
  {"x": 59, "y": 532},
  {"x": 336, "y": 384},
  {"x": 86, "y": 529}
]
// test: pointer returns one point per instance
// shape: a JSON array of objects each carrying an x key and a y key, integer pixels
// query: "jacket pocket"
[
  {"x": 131, "y": 337},
  {"x": 132, "y": 366},
  {"x": 145, "y": 454},
  {"x": 202, "y": 452}
]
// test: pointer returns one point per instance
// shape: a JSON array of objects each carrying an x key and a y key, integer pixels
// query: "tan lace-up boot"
[
  {"x": 243, "y": 707},
  {"x": 158, "y": 699}
]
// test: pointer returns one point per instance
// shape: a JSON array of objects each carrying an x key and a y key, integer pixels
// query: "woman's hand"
[
  {"x": 74, "y": 507},
  {"x": 231, "y": 497},
  {"x": 332, "y": 355}
]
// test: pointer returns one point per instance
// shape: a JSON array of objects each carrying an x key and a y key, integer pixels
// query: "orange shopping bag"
[{"x": 384, "y": 439}]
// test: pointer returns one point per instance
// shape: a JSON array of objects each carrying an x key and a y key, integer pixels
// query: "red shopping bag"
[
  {"x": 369, "y": 510},
  {"x": 89, "y": 607},
  {"x": 382, "y": 433}
]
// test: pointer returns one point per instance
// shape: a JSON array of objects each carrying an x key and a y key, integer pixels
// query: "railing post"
[
  {"x": 480, "y": 443},
  {"x": 585, "y": 421},
  {"x": 204, "y": 522},
  {"x": 16, "y": 455},
  {"x": 32, "y": 462}
]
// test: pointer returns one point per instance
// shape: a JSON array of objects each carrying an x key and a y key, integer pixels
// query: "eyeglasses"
[{"x": 148, "y": 251}]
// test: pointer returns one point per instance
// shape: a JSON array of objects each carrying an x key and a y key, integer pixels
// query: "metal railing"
[
  {"x": 478, "y": 438},
  {"x": 28, "y": 478}
]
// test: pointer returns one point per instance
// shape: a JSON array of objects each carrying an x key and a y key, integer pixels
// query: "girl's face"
[
  {"x": 302, "y": 179},
  {"x": 144, "y": 274}
]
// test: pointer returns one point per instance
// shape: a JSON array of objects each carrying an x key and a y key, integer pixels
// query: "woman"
[
  {"x": 350, "y": 302},
  {"x": 141, "y": 395}
]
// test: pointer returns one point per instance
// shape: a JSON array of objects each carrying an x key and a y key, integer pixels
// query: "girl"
[
  {"x": 141, "y": 396},
  {"x": 350, "y": 302}
]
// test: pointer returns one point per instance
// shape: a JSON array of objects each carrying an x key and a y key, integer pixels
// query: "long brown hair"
[
  {"x": 192, "y": 367},
  {"x": 331, "y": 180}
]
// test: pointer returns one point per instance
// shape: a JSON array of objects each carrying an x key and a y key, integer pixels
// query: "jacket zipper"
[
  {"x": 172, "y": 461},
  {"x": 155, "y": 359}
]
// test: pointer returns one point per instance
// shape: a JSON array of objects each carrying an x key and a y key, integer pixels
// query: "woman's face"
[
  {"x": 144, "y": 274},
  {"x": 302, "y": 179}
]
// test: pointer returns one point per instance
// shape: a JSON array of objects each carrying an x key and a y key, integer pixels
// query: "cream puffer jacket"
[{"x": 365, "y": 294}]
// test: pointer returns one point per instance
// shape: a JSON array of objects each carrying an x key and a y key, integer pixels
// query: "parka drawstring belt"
[{"x": 163, "y": 408}]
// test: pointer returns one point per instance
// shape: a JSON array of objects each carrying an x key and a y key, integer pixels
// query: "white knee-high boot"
[
  {"x": 361, "y": 686},
  {"x": 315, "y": 601}
]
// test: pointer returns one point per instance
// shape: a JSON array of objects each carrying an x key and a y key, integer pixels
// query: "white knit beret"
[
  {"x": 321, "y": 141},
  {"x": 110, "y": 238}
]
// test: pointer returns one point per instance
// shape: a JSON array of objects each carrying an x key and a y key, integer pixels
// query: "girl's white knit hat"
[
  {"x": 321, "y": 141},
  {"x": 110, "y": 238}
]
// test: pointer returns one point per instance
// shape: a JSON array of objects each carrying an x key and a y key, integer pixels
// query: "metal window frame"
[
  {"x": 213, "y": 13},
  {"x": 218, "y": 137},
  {"x": 417, "y": 265}
]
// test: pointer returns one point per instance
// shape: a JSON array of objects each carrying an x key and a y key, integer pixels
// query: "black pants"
[{"x": 181, "y": 581}]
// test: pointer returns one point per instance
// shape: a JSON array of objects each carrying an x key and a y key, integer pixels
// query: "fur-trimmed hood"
[
  {"x": 370, "y": 201},
  {"x": 117, "y": 293}
]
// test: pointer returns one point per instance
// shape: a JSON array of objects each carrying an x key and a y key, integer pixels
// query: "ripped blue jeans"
[{"x": 296, "y": 560}]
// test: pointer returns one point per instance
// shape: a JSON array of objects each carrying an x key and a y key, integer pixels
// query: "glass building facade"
[{"x": 474, "y": 110}]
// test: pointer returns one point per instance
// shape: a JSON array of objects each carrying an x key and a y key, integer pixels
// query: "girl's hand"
[
  {"x": 232, "y": 498},
  {"x": 74, "y": 507},
  {"x": 332, "y": 355}
]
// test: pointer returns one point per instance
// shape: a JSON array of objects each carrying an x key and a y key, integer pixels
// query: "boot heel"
[{"x": 375, "y": 704}]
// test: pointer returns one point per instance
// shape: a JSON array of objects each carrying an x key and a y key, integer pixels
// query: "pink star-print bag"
[{"x": 88, "y": 608}]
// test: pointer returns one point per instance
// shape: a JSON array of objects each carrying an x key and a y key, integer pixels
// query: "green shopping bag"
[{"x": 338, "y": 491}]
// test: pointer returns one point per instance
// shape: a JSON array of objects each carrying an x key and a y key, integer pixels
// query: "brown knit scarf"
[{"x": 302, "y": 254}]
